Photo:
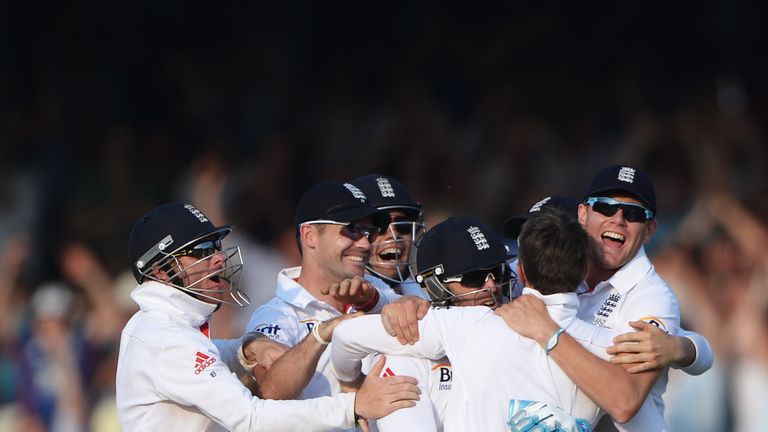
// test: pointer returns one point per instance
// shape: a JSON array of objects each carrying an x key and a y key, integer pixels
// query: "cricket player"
[{"x": 493, "y": 368}]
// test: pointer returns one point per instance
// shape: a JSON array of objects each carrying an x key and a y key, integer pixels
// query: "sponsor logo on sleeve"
[
  {"x": 658, "y": 322},
  {"x": 271, "y": 330},
  {"x": 443, "y": 370},
  {"x": 202, "y": 361}
]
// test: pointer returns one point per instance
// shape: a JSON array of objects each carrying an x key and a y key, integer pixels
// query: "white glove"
[{"x": 530, "y": 416}]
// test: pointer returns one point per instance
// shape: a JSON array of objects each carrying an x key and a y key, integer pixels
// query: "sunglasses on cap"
[
  {"x": 201, "y": 250},
  {"x": 478, "y": 278},
  {"x": 609, "y": 206},
  {"x": 353, "y": 231}
]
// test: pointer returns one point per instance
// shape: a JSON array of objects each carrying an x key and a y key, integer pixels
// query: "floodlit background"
[{"x": 107, "y": 110}]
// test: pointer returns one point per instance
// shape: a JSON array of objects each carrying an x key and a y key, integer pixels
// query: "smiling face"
[
  {"x": 391, "y": 251},
  {"x": 489, "y": 295},
  {"x": 340, "y": 255},
  {"x": 613, "y": 241}
]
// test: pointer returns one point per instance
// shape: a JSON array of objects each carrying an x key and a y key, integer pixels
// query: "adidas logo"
[
  {"x": 388, "y": 373},
  {"x": 202, "y": 361}
]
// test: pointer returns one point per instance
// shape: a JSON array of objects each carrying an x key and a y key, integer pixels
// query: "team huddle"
[{"x": 559, "y": 324}]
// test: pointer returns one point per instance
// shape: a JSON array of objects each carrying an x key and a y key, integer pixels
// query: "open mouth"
[
  {"x": 613, "y": 239},
  {"x": 390, "y": 254}
]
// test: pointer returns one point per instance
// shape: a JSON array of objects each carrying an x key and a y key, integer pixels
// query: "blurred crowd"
[{"x": 98, "y": 127}]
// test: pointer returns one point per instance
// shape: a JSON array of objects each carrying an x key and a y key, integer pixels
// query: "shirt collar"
[
  {"x": 290, "y": 291},
  {"x": 562, "y": 307},
  {"x": 155, "y": 296},
  {"x": 631, "y": 273}
]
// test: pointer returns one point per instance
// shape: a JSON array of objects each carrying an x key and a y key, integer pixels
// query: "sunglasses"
[
  {"x": 478, "y": 278},
  {"x": 353, "y": 231},
  {"x": 402, "y": 227},
  {"x": 201, "y": 250},
  {"x": 609, "y": 206}
]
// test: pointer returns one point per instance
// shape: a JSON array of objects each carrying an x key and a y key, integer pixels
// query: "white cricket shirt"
[
  {"x": 292, "y": 314},
  {"x": 170, "y": 377},
  {"x": 491, "y": 363},
  {"x": 635, "y": 292}
]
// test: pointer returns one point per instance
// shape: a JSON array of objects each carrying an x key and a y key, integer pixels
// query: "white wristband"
[{"x": 316, "y": 334}]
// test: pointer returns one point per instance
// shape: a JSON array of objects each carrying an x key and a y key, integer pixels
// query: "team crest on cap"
[
  {"x": 357, "y": 193},
  {"x": 198, "y": 214},
  {"x": 478, "y": 237},
  {"x": 626, "y": 174},
  {"x": 385, "y": 187},
  {"x": 537, "y": 207}
]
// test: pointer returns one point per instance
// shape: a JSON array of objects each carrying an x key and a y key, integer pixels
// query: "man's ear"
[
  {"x": 521, "y": 273},
  {"x": 649, "y": 230},
  {"x": 582, "y": 214},
  {"x": 308, "y": 235}
]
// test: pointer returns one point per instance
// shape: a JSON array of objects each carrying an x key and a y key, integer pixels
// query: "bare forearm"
[
  {"x": 625, "y": 394},
  {"x": 291, "y": 373}
]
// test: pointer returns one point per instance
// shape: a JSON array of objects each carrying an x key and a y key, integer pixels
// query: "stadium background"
[{"x": 107, "y": 110}]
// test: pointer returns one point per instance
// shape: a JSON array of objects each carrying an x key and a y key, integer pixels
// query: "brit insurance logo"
[
  {"x": 202, "y": 361},
  {"x": 626, "y": 174},
  {"x": 271, "y": 330},
  {"x": 658, "y": 322},
  {"x": 478, "y": 237},
  {"x": 445, "y": 374}
]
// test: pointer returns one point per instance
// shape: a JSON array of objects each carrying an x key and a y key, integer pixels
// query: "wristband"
[
  {"x": 316, "y": 334},
  {"x": 245, "y": 363},
  {"x": 370, "y": 304},
  {"x": 553, "y": 340}
]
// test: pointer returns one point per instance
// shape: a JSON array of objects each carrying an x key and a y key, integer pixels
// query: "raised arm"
[
  {"x": 355, "y": 339},
  {"x": 622, "y": 399}
]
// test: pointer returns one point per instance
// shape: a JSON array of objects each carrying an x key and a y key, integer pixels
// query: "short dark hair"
[{"x": 553, "y": 252}]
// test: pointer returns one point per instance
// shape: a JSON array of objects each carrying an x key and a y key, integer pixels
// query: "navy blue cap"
[
  {"x": 166, "y": 229},
  {"x": 512, "y": 225},
  {"x": 459, "y": 245},
  {"x": 624, "y": 178},
  {"x": 336, "y": 201},
  {"x": 387, "y": 193}
]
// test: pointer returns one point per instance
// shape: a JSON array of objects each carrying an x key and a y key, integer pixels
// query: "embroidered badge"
[
  {"x": 606, "y": 309},
  {"x": 357, "y": 193},
  {"x": 198, "y": 214},
  {"x": 626, "y": 174},
  {"x": 537, "y": 207},
  {"x": 385, "y": 187},
  {"x": 478, "y": 237}
]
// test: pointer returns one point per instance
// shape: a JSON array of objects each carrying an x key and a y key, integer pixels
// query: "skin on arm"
[
  {"x": 401, "y": 318},
  {"x": 291, "y": 371},
  {"x": 650, "y": 348},
  {"x": 356, "y": 291},
  {"x": 528, "y": 316}
]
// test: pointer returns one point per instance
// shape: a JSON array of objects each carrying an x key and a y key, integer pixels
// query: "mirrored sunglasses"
[
  {"x": 201, "y": 250},
  {"x": 608, "y": 207},
  {"x": 478, "y": 278}
]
